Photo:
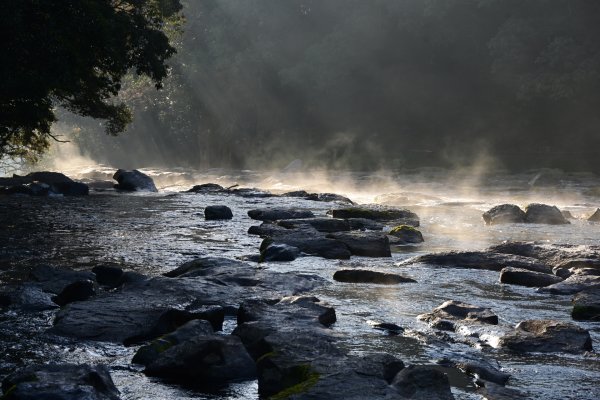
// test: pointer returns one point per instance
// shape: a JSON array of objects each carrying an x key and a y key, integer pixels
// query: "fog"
[{"x": 368, "y": 85}]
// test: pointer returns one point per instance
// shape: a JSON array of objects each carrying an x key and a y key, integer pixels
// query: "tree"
[{"x": 74, "y": 54}]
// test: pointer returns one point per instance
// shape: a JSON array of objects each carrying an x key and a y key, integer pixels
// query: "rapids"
[{"x": 153, "y": 233}]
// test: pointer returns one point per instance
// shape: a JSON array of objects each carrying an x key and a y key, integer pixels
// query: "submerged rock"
[
  {"x": 133, "y": 180},
  {"x": 504, "y": 214},
  {"x": 586, "y": 305},
  {"x": 523, "y": 277},
  {"x": 546, "y": 336},
  {"x": 365, "y": 276},
  {"x": 274, "y": 214},
  {"x": 217, "y": 212},
  {"x": 367, "y": 244},
  {"x": 60, "y": 382},
  {"x": 544, "y": 214},
  {"x": 405, "y": 234}
]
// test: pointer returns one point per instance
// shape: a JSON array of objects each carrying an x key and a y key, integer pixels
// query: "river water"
[{"x": 155, "y": 232}]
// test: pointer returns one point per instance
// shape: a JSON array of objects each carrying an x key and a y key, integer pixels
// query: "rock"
[
  {"x": 205, "y": 359},
  {"x": 320, "y": 224},
  {"x": 275, "y": 214},
  {"x": 577, "y": 266},
  {"x": 279, "y": 252},
  {"x": 551, "y": 254},
  {"x": 267, "y": 229},
  {"x": 76, "y": 291},
  {"x": 108, "y": 275},
  {"x": 28, "y": 298},
  {"x": 378, "y": 213},
  {"x": 404, "y": 234},
  {"x": 363, "y": 224},
  {"x": 523, "y": 277},
  {"x": 457, "y": 311},
  {"x": 207, "y": 266},
  {"x": 365, "y": 244},
  {"x": 217, "y": 212},
  {"x": 326, "y": 197},
  {"x": 47, "y": 177},
  {"x": 60, "y": 382},
  {"x": 207, "y": 188},
  {"x": 365, "y": 276},
  {"x": 133, "y": 180},
  {"x": 422, "y": 383},
  {"x": 573, "y": 284},
  {"x": 586, "y": 305},
  {"x": 390, "y": 328},
  {"x": 544, "y": 214},
  {"x": 595, "y": 217},
  {"x": 310, "y": 242},
  {"x": 43, "y": 183},
  {"x": 504, "y": 214},
  {"x": 487, "y": 260},
  {"x": 546, "y": 336},
  {"x": 483, "y": 372},
  {"x": 251, "y": 193},
  {"x": 55, "y": 280},
  {"x": 567, "y": 214},
  {"x": 70, "y": 188},
  {"x": 492, "y": 391},
  {"x": 149, "y": 353}
]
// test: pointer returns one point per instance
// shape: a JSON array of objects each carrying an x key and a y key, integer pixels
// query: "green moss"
[
  {"x": 265, "y": 356},
  {"x": 9, "y": 392},
  {"x": 307, "y": 377},
  {"x": 582, "y": 312},
  {"x": 401, "y": 229}
]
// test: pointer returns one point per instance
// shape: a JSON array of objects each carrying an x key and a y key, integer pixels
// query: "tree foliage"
[{"x": 74, "y": 54}]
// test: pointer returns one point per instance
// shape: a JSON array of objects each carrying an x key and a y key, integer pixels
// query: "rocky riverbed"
[{"x": 305, "y": 295}]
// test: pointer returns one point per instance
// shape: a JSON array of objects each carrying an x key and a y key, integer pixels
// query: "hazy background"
[{"x": 369, "y": 85}]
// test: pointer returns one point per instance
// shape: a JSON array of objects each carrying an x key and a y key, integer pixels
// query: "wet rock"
[
  {"x": 586, "y": 305},
  {"x": 76, "y": 291},
  {"x": 523, "y": 277},
  {"x": 47, "y": 177},
  {"x": 567, "y": 214},
  {"x": 573, "y": 284},
  {"x": 544, "y": 214},
  {"x": 279, "y": 252},
  {"x": 55, "y": 280},
  {"x": 405, "y": 234},
  {"x": 251, "y": 193},
  {"x": 487, "y": 260},
  {"x": 595, "y": 217},
  {"x": 492, "y": 391},
  {"x": 60, "y": 382},
  {"x": 367, "y": 244},
  {"x": 107, "y": 275},
  {"x": 325, "y": 197},
  {"x": 310, "y": 242},
  {"x": 267, "y": 229},
  {"x": 547, "y": 336},
  {"x": 378, "y": 213},
  {"x": 423, "y": 383},
  {"x": 363, "y": 224},
  {"x": 483, "y": 371},
  {"x": 457, "y": 311},
  {"x": 133, "y": 180},
  {"x": 207, "y": 266},
  {"x": 217, "y": 212},
  {"x": 365, "y": 276},
  {"x": 504, "y": 214},
  {"x": 274, "y": 214},
  {"x": 28, "y": 298},
  {"x": 390, "y": 328},
  {"x": 207, "y": 188},
  {"x": 206, "y": 359},
  {"x": 70, "y": 188},
  {"x": 320, "y": 224}
]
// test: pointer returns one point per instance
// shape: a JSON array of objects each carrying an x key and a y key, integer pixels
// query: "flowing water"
[{"x": 154, "y": 233}]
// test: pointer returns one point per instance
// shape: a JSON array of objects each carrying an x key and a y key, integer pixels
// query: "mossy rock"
[
  {"x": 585, "y": 313},
  {"x": 407, "y": 234},
  {"x": 307, "y": 378}
]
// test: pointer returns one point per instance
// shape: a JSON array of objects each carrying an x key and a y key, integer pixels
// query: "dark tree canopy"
[{"x": 74, "y": 54}]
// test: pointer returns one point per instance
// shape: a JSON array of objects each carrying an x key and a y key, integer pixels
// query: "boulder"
[
  {"x": 405, "y": 234},
  {"x": 488, "y": 260},
  {"x": 207, "y": 188},
  {"x": 573, "y": 284},
  {"x": 133, "y": 180},
  {"x": 274, "y": 214},
  {"x": 310, "y": 242},
  {"x": 28, "y": 298},
  {"x": 76, "y": 291},
  {"x": 546, "y": 336},
  {"x": 504, "y": 214},
  {"x": 378, "y": 213},
  {"x": 523, "y": 277},
  {"x": 320, "y": 224},
  {"x": 422, "y": 383},
  {"x": 586, "y": 305},
  {"x": 364, "y": 224},
  {"x": 108, "y": 275},
  {"x": 48, "y": 177},
  {"x": 595, "y": 217},
  {"x": 365, "y": 276},
  {"x": 457, "y": 311},
  {"x": 367, "y": 244},
  {"x": 279, "y": 252},
  {"x": 267, "y": 229},
  {"x": 60, "y": 382},
  {"x": 217, "y": 212},
  {"x": 544, "y": 214},
  {"x": 55, "y": 280}
]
